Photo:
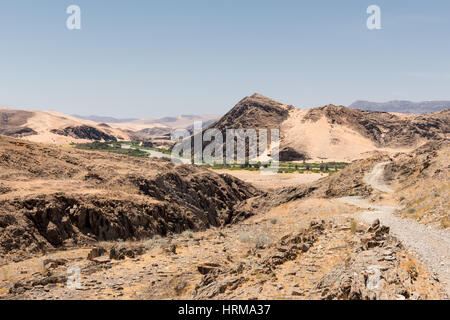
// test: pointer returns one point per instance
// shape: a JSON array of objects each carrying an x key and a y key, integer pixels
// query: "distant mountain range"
[
  {"x": 104, "y": 119},
  {"x": 401, "y": 106},
  {"x": 180, "y": 121}
]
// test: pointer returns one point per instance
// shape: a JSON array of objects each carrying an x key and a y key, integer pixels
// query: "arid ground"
[
  {"x": 147, "y": 229},
  {"x": 86, "y": 214}
]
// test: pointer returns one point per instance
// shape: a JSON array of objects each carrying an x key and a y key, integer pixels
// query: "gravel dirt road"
[{"x": 432, "y": 246}]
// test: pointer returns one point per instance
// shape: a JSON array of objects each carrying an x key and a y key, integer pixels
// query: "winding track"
[
  {"x": 432, "y": 246},
  {"x": 375, "y": 178}
]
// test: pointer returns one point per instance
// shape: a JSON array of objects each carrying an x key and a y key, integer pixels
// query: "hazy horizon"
[{"x": 210, "y": 114}]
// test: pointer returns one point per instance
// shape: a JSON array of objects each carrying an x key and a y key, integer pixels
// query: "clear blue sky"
[{"x": 143, "y": 58}]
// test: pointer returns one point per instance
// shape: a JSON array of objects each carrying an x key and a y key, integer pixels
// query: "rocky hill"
[
  {"x": 56, "y": 128},
  {"x": 423, "y": 183},
  {"x": 334, "y": 132},
  {"x": 254, "y": 112},
  {"x": 328, "y": 133},
  {"x": 12, "y": 123},
  {"x": 386, "y": 129},
  {"x": 52, "y": 197}
]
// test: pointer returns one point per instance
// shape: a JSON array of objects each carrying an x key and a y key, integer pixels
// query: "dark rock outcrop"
[
  {"x": 254, "y": 112},
  {"x": 84, "y": 132},
  {"x": 107, "y": 197}
]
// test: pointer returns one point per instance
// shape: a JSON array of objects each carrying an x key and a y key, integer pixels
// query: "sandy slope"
[
  {"x": 334, "y": 132},
  {"x": 329, "y": 133},
  {"x": 322, "y": 140},
  {"x": 43, "y": 122}
]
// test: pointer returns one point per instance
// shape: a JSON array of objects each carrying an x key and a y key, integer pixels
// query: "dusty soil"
[
  {"x": 295, "y": 251},
  {"x": 53, "y": 197},
  {"x": 279, "y": 180},
  {"x": 375, "y": 178},
  {"x": 421, "y": 180},
  {"x": 222, "y": 238},
  {"x": 431, "y": 245}
]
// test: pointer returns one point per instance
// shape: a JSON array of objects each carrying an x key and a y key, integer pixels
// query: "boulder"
[
  {"x": 96, "y": 252},
  {"x": 207, "y": 268}
]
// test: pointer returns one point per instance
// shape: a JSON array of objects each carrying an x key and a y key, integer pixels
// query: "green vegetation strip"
[
  {"x": 111, "y": 147},
  {"x": 284, "y": 167}
]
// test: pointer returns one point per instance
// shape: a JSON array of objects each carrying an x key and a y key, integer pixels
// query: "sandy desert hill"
[
  {"x": 329, "y": 133},
  {"x": 54, "y": 127},
  {"x": 57, "y": 128},
  {"x": 335, "y": 133}
]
